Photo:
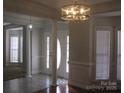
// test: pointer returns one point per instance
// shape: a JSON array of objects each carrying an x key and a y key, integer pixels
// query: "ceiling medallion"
[{"x": 75, "y": 12}]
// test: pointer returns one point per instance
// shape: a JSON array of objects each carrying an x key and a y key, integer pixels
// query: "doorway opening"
[{"x": 13, "y": 51}]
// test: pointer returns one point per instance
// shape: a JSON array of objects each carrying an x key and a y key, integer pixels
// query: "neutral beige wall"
[
  {"x": 79, "y": 38},
  {"x": 36, "y": 50},
  {"x": 79, "y": 53},
  {"x": 82, "y": 62}
]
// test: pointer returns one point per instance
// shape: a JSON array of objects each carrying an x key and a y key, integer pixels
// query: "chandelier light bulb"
[
  {"x": 67, "y": 12},
  {"x": 82, "y": 11},
  {"x": 74, "y": 12},
  {"x": 72, "y": 9}
]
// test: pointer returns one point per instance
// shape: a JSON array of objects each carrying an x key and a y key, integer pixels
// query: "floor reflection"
[
  {"x": 60, "y": 89},
  {"x": 70, "y": 89}
]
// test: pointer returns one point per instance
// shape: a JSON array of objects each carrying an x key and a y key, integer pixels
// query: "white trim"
[
  {"x": 104, "y": 28},
  {"x": 15, "y": 28}
]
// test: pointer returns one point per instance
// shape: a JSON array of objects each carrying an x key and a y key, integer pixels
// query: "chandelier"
[{"x": 75, "y": 12}]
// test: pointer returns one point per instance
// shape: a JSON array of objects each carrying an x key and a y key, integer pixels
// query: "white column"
[
  {"x": 54, "y": 53},
  {"x": 28, "y": 52}
]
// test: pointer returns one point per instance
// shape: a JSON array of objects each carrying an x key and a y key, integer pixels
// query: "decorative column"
[
  {"x": 54, "y": 52},
  {"x": 29, "y": 52}
]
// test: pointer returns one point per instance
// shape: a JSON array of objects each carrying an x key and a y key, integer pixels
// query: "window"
[
  {"x": 14, "y": 47},
  {"x": 48, "y": 51},
  {"x": 67, "y": 59},
  {"x": 21, "y": 49},
  {"x": 118, "y": 55},
  {"x": 58, "y": 53},
  {"x": 102, "y": 54}
]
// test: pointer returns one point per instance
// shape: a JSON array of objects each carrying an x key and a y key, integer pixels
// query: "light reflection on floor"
[{"x": 60, "y": 89}]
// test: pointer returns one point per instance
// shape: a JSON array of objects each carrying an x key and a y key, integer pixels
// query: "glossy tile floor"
[{"x": 29, "y": 85}]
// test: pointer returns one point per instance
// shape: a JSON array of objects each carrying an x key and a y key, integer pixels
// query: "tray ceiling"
[{"x": 60, "y": 3}]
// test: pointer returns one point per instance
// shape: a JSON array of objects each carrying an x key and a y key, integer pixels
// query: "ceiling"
[
  {"x": 51, "y": 8},
  {"x": 60, "y": 3}
]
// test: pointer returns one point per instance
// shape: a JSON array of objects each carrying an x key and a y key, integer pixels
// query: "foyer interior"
[{"x": 57, "y": 56}]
